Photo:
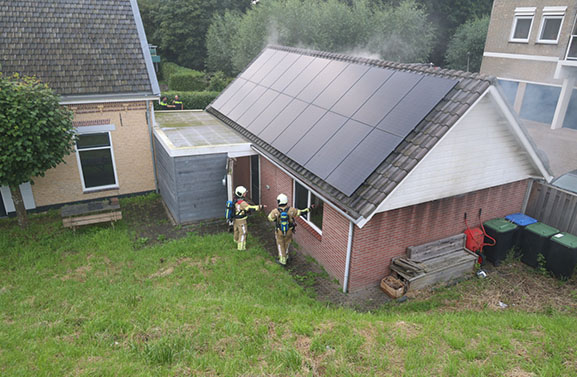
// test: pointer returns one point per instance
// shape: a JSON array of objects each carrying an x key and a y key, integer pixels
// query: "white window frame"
[
  {"x": 550, "y": 13},
  {"x": 97, "y": 188},
  {"x": 305, "y": 216},
  {"x": 526, "y": 13}
]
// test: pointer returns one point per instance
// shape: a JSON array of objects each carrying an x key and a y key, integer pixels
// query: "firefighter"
[
  {"x": 241, "y": 209},
  {"x": 284, "y": 216}
]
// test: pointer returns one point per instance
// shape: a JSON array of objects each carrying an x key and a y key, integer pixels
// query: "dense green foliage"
[
  {"x": 193, "y": 81},
  {"x": 399, "y": 33},
  {"x": 448, "y": 15},
  {"x": 178, "y": 27},
  {"x": 35, "y": 131},
  {"x": 467, "y": 45},
  {"x": 102, "y": 302},
  {"x": 218, "y": 81},
  {"x": 190, "y": 100}
]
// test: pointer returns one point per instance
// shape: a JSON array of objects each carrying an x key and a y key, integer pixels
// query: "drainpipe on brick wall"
[
  {"x": 149, "y": 121},
  {"x": 348, "y": 261}
]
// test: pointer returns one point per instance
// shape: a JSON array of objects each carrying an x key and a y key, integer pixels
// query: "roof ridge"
[{"x": 413, "y": 67}]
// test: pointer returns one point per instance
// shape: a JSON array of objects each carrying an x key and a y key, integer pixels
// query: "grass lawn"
[{"x": 100, "y": 302}]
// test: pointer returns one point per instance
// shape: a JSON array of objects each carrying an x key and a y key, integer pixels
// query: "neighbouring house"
[
  {"x": 393, "y": 155},
  {"x": 94, "y": 54},
  {"x": 532, "y": 49}
]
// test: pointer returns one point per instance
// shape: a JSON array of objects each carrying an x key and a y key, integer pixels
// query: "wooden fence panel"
[{"x": 553, "y": 206}]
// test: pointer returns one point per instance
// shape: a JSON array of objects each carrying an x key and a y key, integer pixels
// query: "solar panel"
[
  {"x": 254, "y": 111},
  {"x": 227, "y": 93},
  {"x": 416, "y": 105},
  {"x": 337, "y": 148},
  {"x": 257, "y": 64},
  {"x": 237, "y": 97},
  {"x": 268, "y": 114},
  {"x": 318, "y": 135},
  {"x": 268, "y": 67},
  {"x": 282, "y": 121},
  {"x": 359, "y": 164},
  {"x": 361, "y": 91},
  {"x": 386, "y": 98},
  {"x": 339, "y": 120},
  {"x": 322, "y": 80},
  {"x": 305, "y": 77},
  {"x": 246, "y": 102},
  {"x": 290, "y": 75},
  {"x": 279, "y": 70},
  {"x": 301, "y": 125},
  {"x": 347, "y": 78}
]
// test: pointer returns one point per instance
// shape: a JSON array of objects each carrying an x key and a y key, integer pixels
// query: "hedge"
[
  {"x": 187, "y": 81},
  {"x": 190, "y": 100}
]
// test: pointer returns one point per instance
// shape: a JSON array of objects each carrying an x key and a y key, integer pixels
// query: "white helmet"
[
  {"x": 282, "y": 199},
  {"x": 240, "y": 191}
]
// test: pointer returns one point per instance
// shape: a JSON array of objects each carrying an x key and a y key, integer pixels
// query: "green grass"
[{"x": 97, "y": 302}]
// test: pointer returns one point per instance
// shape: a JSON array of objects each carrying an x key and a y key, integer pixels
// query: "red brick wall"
[
  {"x": 330, "y": 248},
  {"x": 388, "y": 234}
]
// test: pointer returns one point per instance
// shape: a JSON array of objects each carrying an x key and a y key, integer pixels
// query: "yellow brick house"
[{"x": 94, "y": 54}]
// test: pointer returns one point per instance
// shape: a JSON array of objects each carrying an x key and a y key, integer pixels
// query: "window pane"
[
  {"x": 551, "y": 29},
  {"x": 97, "y": 168},
  {"x": 572, "y": 54},
  {"x": 93, "y": 141},
  {"x": 301, "y": 197},
  {"x": 522, "y": 28},
  {"x": 316, "y": 216}
]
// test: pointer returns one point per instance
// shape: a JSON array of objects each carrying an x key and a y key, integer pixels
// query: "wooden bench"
[
  {"x": 93, "y": 212},
  {"x": 435, "y": 262}
]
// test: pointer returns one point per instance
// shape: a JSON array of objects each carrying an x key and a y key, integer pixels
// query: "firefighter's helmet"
[
  {"x": 240, "y": 191},
  {"x": 282, "y": 199}
]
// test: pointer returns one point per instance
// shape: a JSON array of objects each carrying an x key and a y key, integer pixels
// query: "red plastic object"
[{"x": 475, "y": 238}]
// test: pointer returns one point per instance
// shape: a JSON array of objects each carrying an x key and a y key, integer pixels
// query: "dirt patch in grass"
[{"x": 513, "y": 284}]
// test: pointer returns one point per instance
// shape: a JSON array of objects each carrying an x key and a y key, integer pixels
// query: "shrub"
[
  {"x": 190, "y": 100},
  {"x": 187, "y": 81},
  {"x": 168, "y": 68},
  {"x": 218, "y": 82}
]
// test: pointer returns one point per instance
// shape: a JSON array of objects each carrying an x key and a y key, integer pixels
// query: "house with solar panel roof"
[
  {"x": 391, "y": 154},
  {"x": 94, "y": 55}
]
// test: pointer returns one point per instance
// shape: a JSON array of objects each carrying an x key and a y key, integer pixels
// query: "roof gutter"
[
  {"x": 271, "y": 160},
  {"x": 107, "y": 98}
]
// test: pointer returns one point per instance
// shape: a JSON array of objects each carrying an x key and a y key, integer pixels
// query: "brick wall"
[
  {"x": 330, "y": 248},
  {"x": 132, "y": 155},
  {"x": 388, "y": 234}
]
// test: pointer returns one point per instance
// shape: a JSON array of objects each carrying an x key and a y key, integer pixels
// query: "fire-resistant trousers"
[{"x": 240, "y": 232}]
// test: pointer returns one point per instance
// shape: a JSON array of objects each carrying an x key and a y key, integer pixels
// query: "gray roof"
[
  {"x": 365, "y": 200},
  {"x": 78, "y": 47}
]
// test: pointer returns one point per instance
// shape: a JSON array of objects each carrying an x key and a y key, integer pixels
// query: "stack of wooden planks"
[
  {"x": 435, "y": 262},
  {"x": 91, "y": 213}
]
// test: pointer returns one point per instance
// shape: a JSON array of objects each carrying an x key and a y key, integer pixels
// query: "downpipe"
[{"x": 348, "y": 260}]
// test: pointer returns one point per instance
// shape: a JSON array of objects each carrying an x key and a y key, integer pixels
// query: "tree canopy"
[
  {"x": 465, "y": 50},
  {"x": 178, "y": 27},
  {"x": 35, "y": 132},
  {"x": 400, "y": 33}
]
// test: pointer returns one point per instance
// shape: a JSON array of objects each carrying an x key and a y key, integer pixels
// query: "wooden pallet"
[
  {"x": 435, "y": 262},
  {"x": 91, "y": 213}
]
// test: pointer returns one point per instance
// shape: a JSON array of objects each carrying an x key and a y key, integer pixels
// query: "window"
[
  {"x": 522, "y": 24},
  {"x": 572, "y": 49},
  {"x": 96, "y": 161},
  {"x": 551, "y": 24},
  {"x": 303, "y": 199}
]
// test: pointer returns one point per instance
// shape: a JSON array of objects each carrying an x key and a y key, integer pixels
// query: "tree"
[
  {"x": 448, "y": 15},
  {"x": 219, "y": 42},
  {"x": 179, "y": 27},
  {"x": 35, "y": 134},
  {"x": 399, "y": 33},
  {"x": 465, "y": 50}
]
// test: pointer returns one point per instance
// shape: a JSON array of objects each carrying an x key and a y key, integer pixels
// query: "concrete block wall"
[
  {"x": 388, "y": 234},
  {"x": 132, "y": 155}
]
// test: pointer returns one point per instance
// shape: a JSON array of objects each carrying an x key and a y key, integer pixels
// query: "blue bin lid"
[{"x": 520, "y": 219}]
